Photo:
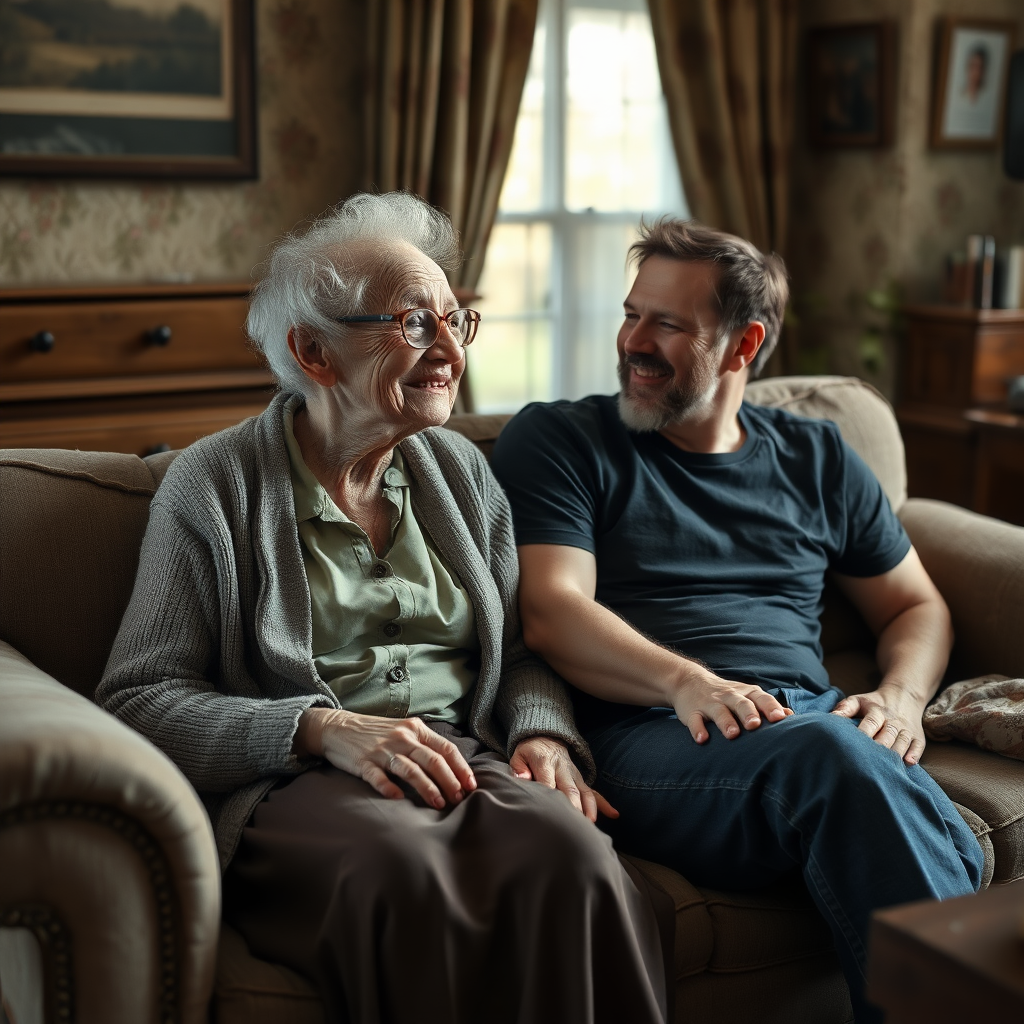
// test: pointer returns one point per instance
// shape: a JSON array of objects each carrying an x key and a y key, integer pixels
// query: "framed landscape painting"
[
  {"x": 970, "y": 83},
  {"x": 127, "y": 88},
  {"x": 851, "y": 83}
]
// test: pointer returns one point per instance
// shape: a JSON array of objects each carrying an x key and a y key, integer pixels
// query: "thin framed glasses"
[{"x": 422, "y": 327}]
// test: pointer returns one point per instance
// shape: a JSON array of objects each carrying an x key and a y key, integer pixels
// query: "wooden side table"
[
  {"x": 958, "y": 358},
  {"x": 953, "y": 360},
  {"x": 953, "y": 962},
  {"x": 999, "y": 464},
  {"x": 941, "y": 448}
]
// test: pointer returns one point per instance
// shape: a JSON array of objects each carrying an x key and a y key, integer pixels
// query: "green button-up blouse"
[{"x": 393, "y": 635}]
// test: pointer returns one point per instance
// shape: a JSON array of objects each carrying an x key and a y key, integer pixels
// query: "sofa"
[{"x": 109, "y": 883}]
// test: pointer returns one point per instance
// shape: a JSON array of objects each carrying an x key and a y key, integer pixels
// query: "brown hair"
[{"x": 751, "y": 285}]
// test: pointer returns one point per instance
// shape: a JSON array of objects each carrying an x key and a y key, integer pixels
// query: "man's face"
[{"x": 669, "y": 348}]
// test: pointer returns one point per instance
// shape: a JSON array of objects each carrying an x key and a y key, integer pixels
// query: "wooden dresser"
[
  {"x": 132, "y": 368},
  {"x": 955, "y": 360}
]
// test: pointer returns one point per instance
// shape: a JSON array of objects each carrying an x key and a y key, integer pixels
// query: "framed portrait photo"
[
  {"x": 970, "y": 83},
  {"x": 127, "y": 88},
  {"x": 851, "y": 83}
]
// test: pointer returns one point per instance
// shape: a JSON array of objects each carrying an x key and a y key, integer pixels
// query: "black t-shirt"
[{"x": 721, "y": 557}]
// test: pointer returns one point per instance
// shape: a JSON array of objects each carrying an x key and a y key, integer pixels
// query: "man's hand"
[
  {"x": 915, "y": 635},
  {"x": 546, "y": 760},
  {"x": 891, "y": 716},
  {"x": 373, "y": 748},
  {"x": 709, "y": 698}
]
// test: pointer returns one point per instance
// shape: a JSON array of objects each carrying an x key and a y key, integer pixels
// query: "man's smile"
[{"x": 647, "y": 370}]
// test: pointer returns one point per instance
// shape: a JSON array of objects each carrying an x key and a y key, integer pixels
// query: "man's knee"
[{"x": 832, "y": 747}]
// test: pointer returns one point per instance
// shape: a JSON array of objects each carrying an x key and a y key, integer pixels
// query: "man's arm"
[
  {"x": 604, "y": 656},
  {"x": 906, "y": 612}
]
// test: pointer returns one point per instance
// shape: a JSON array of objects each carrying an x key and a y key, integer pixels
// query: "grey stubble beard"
[{"x": 672, "y": 405}]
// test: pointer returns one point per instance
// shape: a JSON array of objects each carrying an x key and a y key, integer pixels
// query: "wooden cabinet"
[
  {"x": 999, "y": 469},
  {"x": 958, "y": 358},
  {"x": 136, "y": 368},
  {"x": 954, "y": 360}
]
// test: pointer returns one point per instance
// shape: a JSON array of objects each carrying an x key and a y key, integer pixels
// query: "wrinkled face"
[
  {"x": 669, "y": 348},
  {"x": 379, "y": 374}
]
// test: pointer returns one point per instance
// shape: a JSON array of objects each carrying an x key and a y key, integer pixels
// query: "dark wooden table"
[
  {"x": 954, "y": 962},
  {"x": 999, "y": 464}
]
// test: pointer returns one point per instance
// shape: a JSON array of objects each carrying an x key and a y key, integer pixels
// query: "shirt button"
[
  {"x": 381, "y": 570},
  {"x": 397, "y": 674},
  {"x": 392, "y": 629},
  {"x": 392, "y": 477}
]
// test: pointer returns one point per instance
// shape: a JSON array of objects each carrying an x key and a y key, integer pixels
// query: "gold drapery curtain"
[
  {"x": 446, "y": 78},
  {"x": 727, "y": 68}
]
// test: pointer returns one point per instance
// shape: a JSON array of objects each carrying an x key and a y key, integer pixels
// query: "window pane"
[
  {"x": 523, "y": 187},
  {"x": 511, "y": 357},
  {"x": 510, "y": 364},
  {"x": 615, "y": 121},
  {"x": 517, "y": 270},
  {"x": 601, "y": 281}
]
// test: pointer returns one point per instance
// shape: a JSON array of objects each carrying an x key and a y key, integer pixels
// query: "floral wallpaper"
[
  {"x": 54, "y": 230},
  {"x": 872, "y": 228}
]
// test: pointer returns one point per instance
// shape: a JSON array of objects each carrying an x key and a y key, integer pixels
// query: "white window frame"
[{"x": 563, "y": 310}]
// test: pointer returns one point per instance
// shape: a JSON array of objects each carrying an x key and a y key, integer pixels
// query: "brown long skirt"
[{"x": 509, "y": 908}]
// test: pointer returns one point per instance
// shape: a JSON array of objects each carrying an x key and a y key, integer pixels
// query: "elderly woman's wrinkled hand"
[
  {"x": 547, "y": 761},
  {"x": 374, "y": 748}
]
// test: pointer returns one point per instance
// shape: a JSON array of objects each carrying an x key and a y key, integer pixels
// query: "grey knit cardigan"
[{"x": 213, "y": 661}]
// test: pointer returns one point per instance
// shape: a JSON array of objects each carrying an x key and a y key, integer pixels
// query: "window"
[{"x": 592, "y": 153}]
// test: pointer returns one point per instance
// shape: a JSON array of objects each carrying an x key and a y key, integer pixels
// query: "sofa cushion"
[
  {"x": 773, "y": 944},
  {"x": 993, "y": 788},
  {"x": 252, "y": 991},
  {"x": 71, "y": 524}
]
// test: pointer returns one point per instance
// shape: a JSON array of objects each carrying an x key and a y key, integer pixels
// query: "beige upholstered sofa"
[{"x": 109, "y": 887}]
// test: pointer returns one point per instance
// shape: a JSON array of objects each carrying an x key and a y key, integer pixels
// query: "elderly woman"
[{"x": 324, "y": 637}]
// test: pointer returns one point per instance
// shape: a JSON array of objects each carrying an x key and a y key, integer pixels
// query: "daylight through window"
[{"x": 592, "y": 153}]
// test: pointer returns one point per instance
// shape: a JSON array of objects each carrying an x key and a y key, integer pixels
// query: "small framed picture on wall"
[
  {"x": 851, "y": 84},
  {"x": 970, "y": 83}
]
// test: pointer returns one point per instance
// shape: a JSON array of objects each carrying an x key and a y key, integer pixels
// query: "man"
[{"x": 673, "y": 548}]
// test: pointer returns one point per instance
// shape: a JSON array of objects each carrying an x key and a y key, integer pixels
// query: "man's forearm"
[
  {"x": 913, "y": 650},
  {"x": 599, "y": 653}
]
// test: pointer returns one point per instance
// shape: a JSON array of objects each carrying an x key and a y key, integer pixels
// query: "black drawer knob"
[
  {"x": 159, "y": 335},
  {"x": 158, "y": 448},
  {"x": 41, "y": 342}
]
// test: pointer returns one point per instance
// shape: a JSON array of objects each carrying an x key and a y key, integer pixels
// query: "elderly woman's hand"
[
  {"x": 370, "y": 747},
  {"x": 546, "y": 760}
]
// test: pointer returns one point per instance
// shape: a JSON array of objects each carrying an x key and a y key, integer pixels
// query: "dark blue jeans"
[{"x": 811, "y": 792}]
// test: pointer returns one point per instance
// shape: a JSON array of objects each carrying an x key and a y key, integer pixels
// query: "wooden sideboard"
[
  {"x": 130, "y": 368},
  {"x": 953, "y": 361}
]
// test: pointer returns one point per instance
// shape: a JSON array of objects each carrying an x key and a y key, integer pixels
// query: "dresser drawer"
[
  {"x": 124, "y": 338},
  {"x": 134, "y": 431}
]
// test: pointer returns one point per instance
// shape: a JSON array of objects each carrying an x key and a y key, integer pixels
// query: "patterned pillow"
[{"x": 987, "y": 711}]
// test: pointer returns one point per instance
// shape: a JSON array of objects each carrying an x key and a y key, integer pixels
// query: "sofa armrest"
[
  {"x": 978, "y": 565},
  {"x": 107, "y": 851}
]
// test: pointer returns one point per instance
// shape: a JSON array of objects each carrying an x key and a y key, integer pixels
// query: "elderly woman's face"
[{"x": 376, "y": 368}]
